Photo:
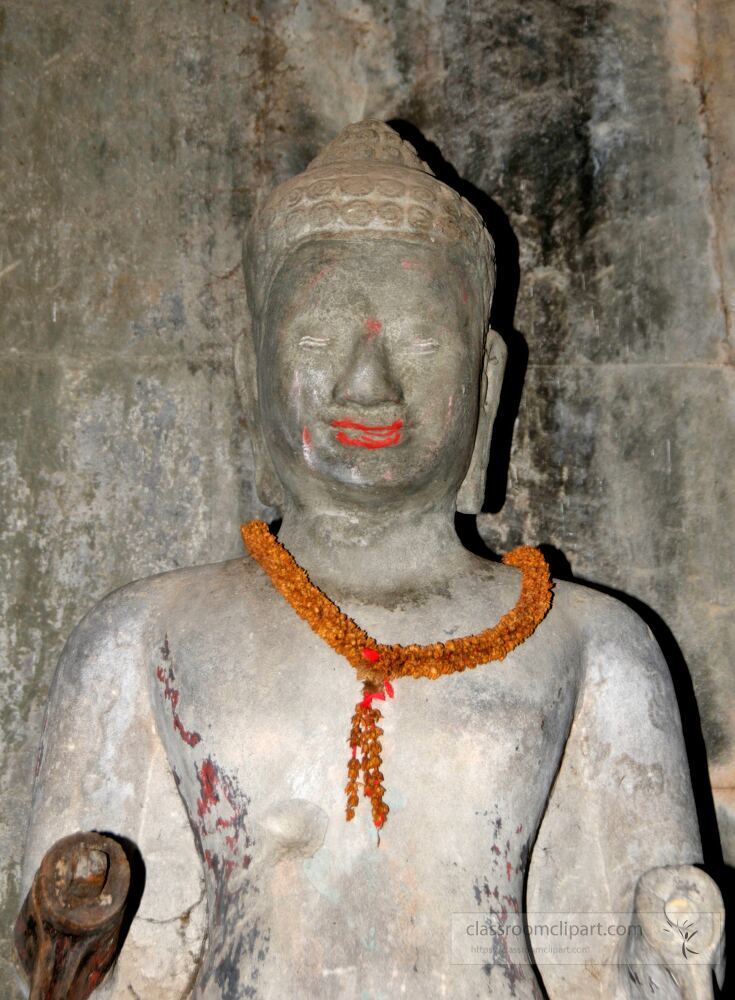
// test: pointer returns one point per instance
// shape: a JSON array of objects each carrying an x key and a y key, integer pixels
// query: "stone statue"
[{"x": 197, "y": 717}]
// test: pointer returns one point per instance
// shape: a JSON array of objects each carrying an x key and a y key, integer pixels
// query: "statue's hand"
[
  {"x": 67, "y": 931},
  {"x": 681, "y": 917}
]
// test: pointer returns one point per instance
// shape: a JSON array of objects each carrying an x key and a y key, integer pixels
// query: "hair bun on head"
[{"x": 366, "y": 181}]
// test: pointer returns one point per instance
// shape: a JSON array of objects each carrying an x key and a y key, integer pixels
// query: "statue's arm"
[
  {"x": 620, "y": 835},
  {"x": 101, "y": 767}
]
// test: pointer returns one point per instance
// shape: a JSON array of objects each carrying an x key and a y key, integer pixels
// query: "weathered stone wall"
[{"x": 137, "y": 136}]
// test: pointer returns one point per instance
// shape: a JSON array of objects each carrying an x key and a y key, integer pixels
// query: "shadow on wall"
[
  {"x": 501, "y": 318},
  {"x": 503, "y": 307}
]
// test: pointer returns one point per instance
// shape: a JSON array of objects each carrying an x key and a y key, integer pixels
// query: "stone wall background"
[{"x": 137, "y": 135}]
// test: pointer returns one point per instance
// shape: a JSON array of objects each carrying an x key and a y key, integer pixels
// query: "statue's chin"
[
  {"x": 401, "y": 475},
  {"x": 371, "y": 485},
  {"x": 362, "y": 493}
]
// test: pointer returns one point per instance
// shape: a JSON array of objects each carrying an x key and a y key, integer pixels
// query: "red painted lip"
[{"x": 371, "y": 436}]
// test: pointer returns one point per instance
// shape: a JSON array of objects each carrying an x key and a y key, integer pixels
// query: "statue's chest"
[{"x": 255, "y": 720}]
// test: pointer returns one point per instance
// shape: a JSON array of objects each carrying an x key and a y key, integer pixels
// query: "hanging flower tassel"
[
  {"x": 365, "y": 736},
  {"x": 377, "y": 663},
  {"x": 353, "y": 764}
]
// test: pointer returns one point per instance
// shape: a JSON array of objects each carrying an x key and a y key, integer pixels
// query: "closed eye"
[
  {"x": 313, "y": 343},
  {"x": 425, "y": 346}
]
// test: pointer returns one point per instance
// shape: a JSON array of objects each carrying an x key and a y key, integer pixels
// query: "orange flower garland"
[{"x": 378, "y": 664}]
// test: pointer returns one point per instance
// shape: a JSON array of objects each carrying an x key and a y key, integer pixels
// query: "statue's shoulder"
[
  {"x": 597, "y": 613},
  {"x": 130, "y": 612},
  {"x": 616, "y": 642},
  {"x": 599, "y": 616}
]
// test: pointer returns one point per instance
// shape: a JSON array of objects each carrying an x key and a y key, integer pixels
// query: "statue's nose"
[{"x": 367, "y": 378}]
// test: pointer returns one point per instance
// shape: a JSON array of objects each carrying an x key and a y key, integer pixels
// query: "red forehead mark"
[{"x": 372, "y": 327}]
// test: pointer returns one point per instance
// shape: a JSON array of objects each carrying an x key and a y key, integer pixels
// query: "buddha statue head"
[{"x": 372, "y": 376}]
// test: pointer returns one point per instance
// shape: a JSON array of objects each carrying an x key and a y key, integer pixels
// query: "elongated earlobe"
[
  {"x": 267, "y": 484},
  {"x": 472, "y": 491}
]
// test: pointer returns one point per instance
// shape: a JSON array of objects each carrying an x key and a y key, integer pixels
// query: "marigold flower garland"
[{"x": 378, "y": 664}]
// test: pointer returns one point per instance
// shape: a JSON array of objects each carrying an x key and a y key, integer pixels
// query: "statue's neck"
[{"x": 374, "y": 556}]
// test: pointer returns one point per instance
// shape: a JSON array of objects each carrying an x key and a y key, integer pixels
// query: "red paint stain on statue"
[
  {"x": 208, "y": 779},
  {"x": 372, "y": 327},
  {"x": 171, "y": 694},
  {"x": 370, "y": 436},
  {"x": 220, "y": 795},
  {"x": 411, "y": 264},
  {"x": 316, "y": 278}
]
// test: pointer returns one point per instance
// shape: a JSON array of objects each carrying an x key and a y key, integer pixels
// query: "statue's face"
[{"x": 368, "y": 372}]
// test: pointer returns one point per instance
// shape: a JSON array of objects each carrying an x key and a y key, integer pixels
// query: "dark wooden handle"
[{"x": 67, "y": 931}]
